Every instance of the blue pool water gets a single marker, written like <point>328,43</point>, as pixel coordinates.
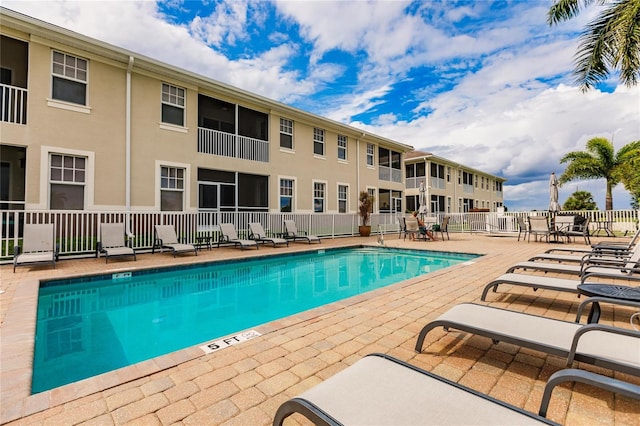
<point>92,325</point>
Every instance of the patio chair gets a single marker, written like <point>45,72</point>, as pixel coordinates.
<point>444,228</point>
<point>381,390</point>
<point>38,246</point>
<point>601,345</point>
<point>413,229</point>
<point>561,225</point>
<point>292,233</point>
<point>523,228</point>
<point>581,230</point>
<point>166,238</point>
<point>257,233</point>
<point>539,226</point>
<point>402,227</point>
<point>112,242</point>
<point>230,236</point>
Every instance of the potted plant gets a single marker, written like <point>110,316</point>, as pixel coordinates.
<point>366,207</point>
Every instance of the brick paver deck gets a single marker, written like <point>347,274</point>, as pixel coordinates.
<point>244,384</point>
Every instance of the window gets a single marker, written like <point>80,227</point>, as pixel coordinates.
<point>286,133</point>
<point>342,147</point>
<point>173,103</point>
<point>448,174</point>
<point>343,194</point>
<point>467,179</point>
<point>370,154</point>
<point>318,197</point>
<point>437,171</point>
<point>67,179</point>
<point>171,188</point>
<point>286,195</point>
<point>69,79</point>
<point>318,141</point>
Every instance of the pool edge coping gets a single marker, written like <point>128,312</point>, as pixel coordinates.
<point>27,404</point>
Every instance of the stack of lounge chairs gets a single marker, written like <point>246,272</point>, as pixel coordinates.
<point>166,238</point>
<point>379,389</point>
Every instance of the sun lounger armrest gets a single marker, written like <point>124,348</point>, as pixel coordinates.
<point>598,299</point>
<point>587,377</point>
<point>597,327</point>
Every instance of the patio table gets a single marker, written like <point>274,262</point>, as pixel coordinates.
<point>611,291</point>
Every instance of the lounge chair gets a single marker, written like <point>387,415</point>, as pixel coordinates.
<point>381,390</point>
<point>258,234</point>
<point>612,265</point>
<point>112,242</point>
<point>589,378</point>
<point>539,226</point>
<point>605,246</point>
<point>581,257</point>
<point>166,238</point>
<point>292,233</point>
<point>596,344</point>
<point>229,235</point>
<point>38,246</point>
<point>548,283</point>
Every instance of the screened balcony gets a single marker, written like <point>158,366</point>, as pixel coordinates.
<point>13,80</point>
<point>230,130</point>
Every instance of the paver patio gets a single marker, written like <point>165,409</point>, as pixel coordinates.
<point>244,384</point>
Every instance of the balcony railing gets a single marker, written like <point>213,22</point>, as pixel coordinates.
<point>13,104</point>
<point>225,144</point>
<point>467,189</point>
<point>389,174</point>
<point>437,183</point>
<point>414,182</point>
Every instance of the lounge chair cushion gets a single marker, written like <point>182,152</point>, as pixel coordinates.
<point>379,390</point>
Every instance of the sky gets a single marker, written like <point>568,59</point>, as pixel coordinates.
<point>487,84</point>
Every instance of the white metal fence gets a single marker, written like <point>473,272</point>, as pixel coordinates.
<point>77,231</point>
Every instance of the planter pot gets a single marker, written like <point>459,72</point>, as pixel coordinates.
<point>365,230</point>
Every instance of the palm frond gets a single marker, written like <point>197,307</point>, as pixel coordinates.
<point>563,10</point>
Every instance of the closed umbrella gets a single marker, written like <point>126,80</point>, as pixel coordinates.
<point>553,194</point>
<point>422,198</point>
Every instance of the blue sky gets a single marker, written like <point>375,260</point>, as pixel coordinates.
<point>484,83</point>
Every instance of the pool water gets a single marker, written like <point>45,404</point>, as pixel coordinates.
<point>88,326</point>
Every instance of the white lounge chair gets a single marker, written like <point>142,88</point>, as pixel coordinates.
<point>384,391</point>
<point>292,233</point>
<point>614,266</point>
<point>548,283</point>
<point>229,235</point>
<point>166,238</point>
<point>258,233</point>
<point>581,257</point>
<point>112,242</point>
<point>601,345</point>
<point>38,246</point>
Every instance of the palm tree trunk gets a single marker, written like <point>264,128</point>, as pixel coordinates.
<point>608,200</point>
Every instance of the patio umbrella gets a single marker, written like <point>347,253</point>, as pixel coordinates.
<point>553,193</point>
<point>422,198</point>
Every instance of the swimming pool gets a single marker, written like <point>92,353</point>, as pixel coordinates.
<point>91,325</point>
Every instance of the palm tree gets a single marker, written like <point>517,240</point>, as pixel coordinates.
<point>600,161</point>
<point>611,41</point>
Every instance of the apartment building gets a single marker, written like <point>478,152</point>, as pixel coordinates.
<point>89,126</point>
<point>450,187</point>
